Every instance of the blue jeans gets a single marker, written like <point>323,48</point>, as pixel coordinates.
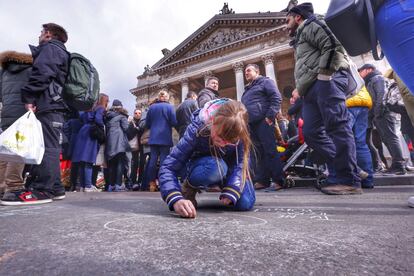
<point>394,23</point>
<point>156,152</point>
<point>85,174</point>
<point>209,171</point>
<point>358,121</point>
<point>327,131</point>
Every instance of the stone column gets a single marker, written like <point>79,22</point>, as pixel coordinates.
<point>184,88</point>
<point>238,71</point>
<point>269,67</point>
<point>206,75</point>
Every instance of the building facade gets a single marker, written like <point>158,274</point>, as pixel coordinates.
<point>223,47</point>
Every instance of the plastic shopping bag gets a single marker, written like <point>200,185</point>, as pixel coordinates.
<point>23,141</point>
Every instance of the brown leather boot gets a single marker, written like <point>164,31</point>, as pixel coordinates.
<point>153,187</point>
<point>189,192</point>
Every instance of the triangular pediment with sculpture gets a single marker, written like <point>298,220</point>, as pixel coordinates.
<point>222,37</point>
<point>222,30</point>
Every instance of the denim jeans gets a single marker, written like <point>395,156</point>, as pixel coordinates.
<point>209,171</point>
<point>394,23</point>
<point>358,121</point>
<point>156,152</point>
<point>85,174</point>
<point>116,169</point>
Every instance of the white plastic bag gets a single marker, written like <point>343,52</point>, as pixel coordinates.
<point>23,141</point>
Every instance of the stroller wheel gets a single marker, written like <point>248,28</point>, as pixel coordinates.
<point>320,181</point>
<point>289,182</point>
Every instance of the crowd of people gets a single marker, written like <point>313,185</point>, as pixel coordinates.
<point>224,145</point>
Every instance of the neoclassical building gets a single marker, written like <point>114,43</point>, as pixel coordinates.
<point>223,47</point>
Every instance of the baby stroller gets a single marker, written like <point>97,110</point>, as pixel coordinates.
<point>296,158</point>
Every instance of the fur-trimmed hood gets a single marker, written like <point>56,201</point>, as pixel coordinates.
<point>15,57</point>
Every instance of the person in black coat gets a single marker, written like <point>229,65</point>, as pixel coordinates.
<point>262,100</point>
<point>384,119</point>
<point>184,112</point>
<point>14,74</point>
<point>50,68</point>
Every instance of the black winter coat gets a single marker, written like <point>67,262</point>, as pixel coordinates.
<point>50,64</point>
<point>205,95</point>
<point>262,99</point>
<point>375,84</point>
<point>184,113</point>
<point>16,69</point>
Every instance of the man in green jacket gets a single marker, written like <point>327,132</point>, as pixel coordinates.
<point>322,76</point>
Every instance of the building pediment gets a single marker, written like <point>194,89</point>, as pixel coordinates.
<point>220,33</point>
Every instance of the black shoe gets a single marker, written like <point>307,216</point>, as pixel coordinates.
<point>58,195</point>
<point>400,171</point>
<point>23,197</point>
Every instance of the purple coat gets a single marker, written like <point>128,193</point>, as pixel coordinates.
<point>86,148</point>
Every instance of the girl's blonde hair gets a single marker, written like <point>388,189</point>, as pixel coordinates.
<point>230,123</point>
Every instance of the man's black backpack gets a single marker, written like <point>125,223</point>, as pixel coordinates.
<point>81,89</point>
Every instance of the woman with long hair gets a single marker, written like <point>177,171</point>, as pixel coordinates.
<point>214,150</point>
<point>86,148</point>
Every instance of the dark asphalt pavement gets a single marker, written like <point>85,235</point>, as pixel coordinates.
<point>291,232</point>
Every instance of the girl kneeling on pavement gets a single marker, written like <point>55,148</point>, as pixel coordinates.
<point>214,151</point>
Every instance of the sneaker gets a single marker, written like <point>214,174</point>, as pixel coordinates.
<point>341,190</point>
<point>58,195</point>
<point>120,188</point>
<point>409,168</point>
<point>274,187</point>
<point>189,192</point>
<point>411,201</point>
<point>111,188</point>
<point>136,187</point>
<point>24,198</point>
<point>91,189</point>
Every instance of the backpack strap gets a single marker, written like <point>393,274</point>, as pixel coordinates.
<point>372,33</point>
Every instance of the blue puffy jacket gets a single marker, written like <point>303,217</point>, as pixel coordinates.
<point>194,145</point>
<point>262,99</point>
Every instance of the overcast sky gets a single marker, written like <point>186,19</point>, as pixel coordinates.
<point>119,37</point>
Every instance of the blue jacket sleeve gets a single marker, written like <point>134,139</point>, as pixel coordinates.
<point>148,119</point>
<point>99,116</point>
<point>274,98</point>
<point>173,117</point>
<point>172,165</point>
<point>233,187</point>
<point>44,70</point>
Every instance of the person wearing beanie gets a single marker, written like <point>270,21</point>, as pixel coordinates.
<point>321,76</point>
<point>383,119</point>
<point>117,103</point>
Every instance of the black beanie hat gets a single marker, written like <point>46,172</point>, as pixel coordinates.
<point>304,10</point>
<point>117,103</point>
